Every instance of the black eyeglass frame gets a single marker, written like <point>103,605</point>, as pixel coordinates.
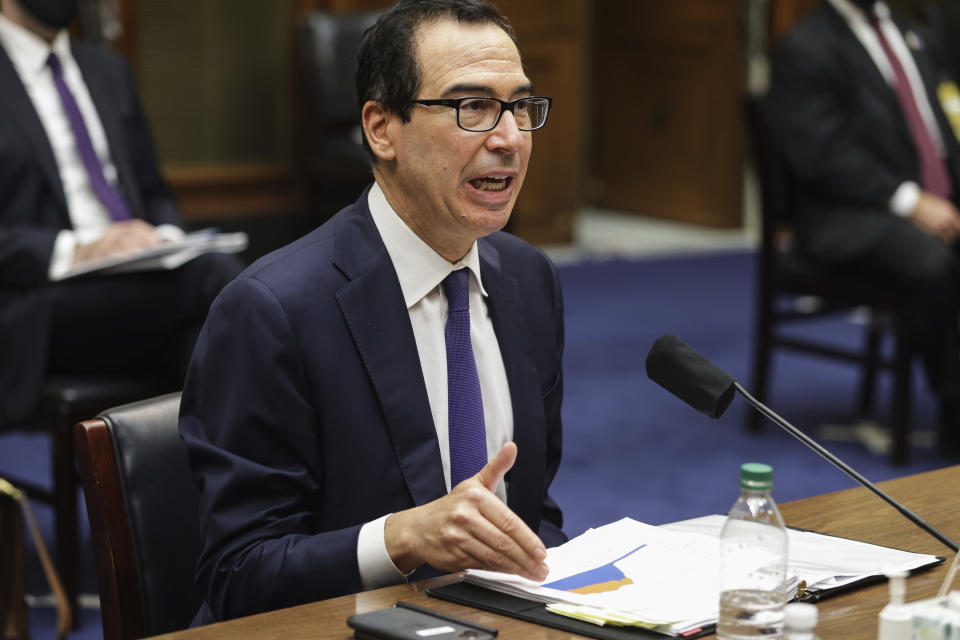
<point>505,105</point>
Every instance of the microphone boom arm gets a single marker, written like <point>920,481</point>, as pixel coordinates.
<point>805,439</point>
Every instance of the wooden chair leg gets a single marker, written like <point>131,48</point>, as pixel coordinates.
<point>869,373</point>
<point>762,343</point>
<point>900,450</point>
<point>65,511</point>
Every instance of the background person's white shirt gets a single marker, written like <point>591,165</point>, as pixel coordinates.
<point>420,270</point>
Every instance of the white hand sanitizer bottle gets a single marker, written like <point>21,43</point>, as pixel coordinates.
<point>800,621</point>
<point>895,618</point>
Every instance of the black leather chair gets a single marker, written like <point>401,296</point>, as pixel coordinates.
<point>143,508</point>
<point>328,42</point>
<point>783,277</point>
<point>65,401</point>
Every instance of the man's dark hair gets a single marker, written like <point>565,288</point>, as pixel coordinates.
<point>387,68</point>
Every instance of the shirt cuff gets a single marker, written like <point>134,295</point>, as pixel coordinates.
<point>905,199</point>
<point>62,257</point>
<point>376,568</point>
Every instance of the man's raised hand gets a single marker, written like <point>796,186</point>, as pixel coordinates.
<point>470,528</point>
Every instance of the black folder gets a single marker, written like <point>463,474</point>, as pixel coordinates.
<point>473,596</point>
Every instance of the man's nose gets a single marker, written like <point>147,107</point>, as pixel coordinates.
<point>506,136</point>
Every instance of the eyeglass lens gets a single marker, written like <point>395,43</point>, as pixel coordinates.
<point>481,113</point>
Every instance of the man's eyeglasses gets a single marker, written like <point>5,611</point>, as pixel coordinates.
<point>483,114</point>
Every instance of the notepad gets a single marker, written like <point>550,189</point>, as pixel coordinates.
<point>665,579</point>
<point>167,255</point>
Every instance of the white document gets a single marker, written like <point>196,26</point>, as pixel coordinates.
<point>167,255</point>
<point>824,562</point>
<point>667,578</point>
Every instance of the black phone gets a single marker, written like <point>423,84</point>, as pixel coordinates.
<point>407,623</point>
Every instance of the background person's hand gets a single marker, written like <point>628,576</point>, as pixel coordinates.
<point>468,528</point>
<point>937,217</point>
<point>119,239</point>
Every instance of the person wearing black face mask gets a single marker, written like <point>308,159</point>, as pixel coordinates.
<point>54,14</point>
<point>875,170</point>
<point>79,180</point>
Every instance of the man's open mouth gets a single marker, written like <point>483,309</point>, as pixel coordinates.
<point>490,183</point>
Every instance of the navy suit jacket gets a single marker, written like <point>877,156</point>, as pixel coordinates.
<point>843,134</point>
<point>306,414</point>
<point>33,209</point>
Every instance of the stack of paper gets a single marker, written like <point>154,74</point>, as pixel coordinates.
<point>666,578</point>
<point>166,255</point>
<point>626,573</point>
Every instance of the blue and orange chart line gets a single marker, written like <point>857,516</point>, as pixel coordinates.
<point>604,578</point>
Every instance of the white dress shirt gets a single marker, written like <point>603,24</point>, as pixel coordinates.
<point>420,270</point>
<point>89,218</point>
<point>907,195</point>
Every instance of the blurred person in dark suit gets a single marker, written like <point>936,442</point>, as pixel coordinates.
<point>79,181</point>
<point>380,400</point>
<point>853,108</point>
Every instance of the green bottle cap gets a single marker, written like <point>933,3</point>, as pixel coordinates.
<point>756,476</point>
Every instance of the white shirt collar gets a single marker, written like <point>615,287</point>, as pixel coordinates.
<point>419,268</point>
<point>27,50</point>
<point>854,14</point>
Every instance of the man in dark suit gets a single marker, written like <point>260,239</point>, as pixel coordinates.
<point>324,408</point>
<point>875,168</point>
<point>79,181</point>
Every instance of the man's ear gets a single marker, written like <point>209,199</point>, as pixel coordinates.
<point>376,122</point>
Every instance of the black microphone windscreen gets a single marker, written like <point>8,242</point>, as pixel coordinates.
<point>689,376</point>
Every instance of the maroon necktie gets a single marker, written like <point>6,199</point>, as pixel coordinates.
<point>933,169</point>
<point>109,196</point>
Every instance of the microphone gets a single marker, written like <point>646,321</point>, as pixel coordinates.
<point>709,389</point>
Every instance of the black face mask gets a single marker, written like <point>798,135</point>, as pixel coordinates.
<point>866,5</point>
<point>55,14</point>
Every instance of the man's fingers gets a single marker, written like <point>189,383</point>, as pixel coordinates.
<point>501,529</point>
<point>509,525</point>
<point>470,527</point>
<point>490,475</point>
<point>507,557</point>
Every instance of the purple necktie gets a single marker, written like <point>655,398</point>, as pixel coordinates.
<point>114,204</point>
<point>468,437</point>
<point>933,170</point>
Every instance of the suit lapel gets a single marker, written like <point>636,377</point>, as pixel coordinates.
<point>931,82</point>
<point>21,111</point>
<point>866,73</point>
<point>867,77</point>
<point>373,307</point>
<point>105,101</point>
<point>524,495</point>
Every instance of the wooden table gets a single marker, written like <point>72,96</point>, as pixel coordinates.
<point>853,513</point>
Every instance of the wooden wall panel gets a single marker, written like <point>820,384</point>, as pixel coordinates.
<point>668,81</point>
<point>552,36</point>
<point>222,179</point>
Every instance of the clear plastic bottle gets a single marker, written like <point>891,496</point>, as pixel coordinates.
<point>753,561</point>
<point>800,621</point>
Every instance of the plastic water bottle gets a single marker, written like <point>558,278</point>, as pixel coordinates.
<point>753,561</point>
<point>800,621</point>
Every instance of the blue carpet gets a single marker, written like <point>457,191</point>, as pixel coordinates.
<point>631,448</point>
